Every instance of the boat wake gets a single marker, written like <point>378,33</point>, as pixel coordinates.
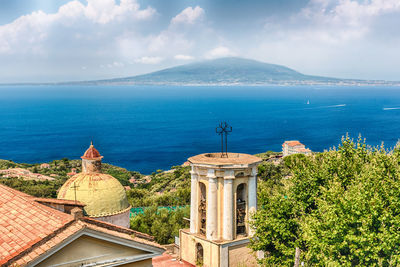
<point>391,108</point>
<point>332,106</point>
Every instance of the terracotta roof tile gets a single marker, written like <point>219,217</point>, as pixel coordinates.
<point>58,201</point>
<point>28,229</point>
<point>91,153</point>
<point>293,143</point>
<point>25,222</point>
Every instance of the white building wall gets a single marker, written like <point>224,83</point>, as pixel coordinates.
<point>121,219</point>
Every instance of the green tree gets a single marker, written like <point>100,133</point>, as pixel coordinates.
<point>340,207</point>
<point>161,223</point>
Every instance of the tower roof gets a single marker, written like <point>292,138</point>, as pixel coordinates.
<point>92,153</point>
<point>233,159</point>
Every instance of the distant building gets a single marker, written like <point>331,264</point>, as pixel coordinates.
<point>44,232</point>
<point>72,173</point>
<point>24,174</point>
<point>294,147</point>
<point>185,164</point>
<point>45,166</point>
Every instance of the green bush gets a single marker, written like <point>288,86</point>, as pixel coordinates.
<point>340,207</point>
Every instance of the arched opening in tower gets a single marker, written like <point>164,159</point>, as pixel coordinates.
<point>199,255</point>
<point>241,209</point>
<point>203,208</point>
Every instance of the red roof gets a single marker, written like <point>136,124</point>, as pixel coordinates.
<point>24,222</point>
<point>28,229</point>
<point>58,201</point>
<point>293,143</point>
<point>91,153</point>
<point>168,260</point>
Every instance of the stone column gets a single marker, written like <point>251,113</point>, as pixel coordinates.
<point>194,206</point>
<point>227,232</point>
<point>252,195</point>
<point>212,206</point>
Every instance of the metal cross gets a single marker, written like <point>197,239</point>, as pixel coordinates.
<point>224,129</point>
<point>75,187</point>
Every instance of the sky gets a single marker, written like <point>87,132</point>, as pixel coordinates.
<point>64,40</point>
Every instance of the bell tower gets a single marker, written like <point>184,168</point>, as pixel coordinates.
<point>223,197</point>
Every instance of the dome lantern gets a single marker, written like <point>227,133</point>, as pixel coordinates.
<point>91,160</point>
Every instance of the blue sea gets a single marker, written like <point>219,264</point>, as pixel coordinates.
<point>145,128</point>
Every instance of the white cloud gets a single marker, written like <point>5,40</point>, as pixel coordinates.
<point>104,11</point>
<point>183,57</point>
<point>103,36</point>
<point>29,32</point>
<point>334,21</point>
<point>188,16</point>
<point>343,38</point>
<point>116,64</point>
<point>220,51</point>
<point>149,60</point>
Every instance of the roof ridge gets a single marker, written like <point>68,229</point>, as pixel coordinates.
<point>22,253</point>
<point>118,228</point>
<point>58,200</point>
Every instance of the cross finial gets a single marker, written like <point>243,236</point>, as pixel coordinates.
<point>75,187</point>
<point>224,129</point>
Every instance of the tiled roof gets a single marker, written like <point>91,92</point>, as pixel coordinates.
<point>24,222</point>
<point>120,231</point>
<point>28,229</point>
<point>91,153</point>
<point>293,143</point>
<point>58,201</point>
<point>167,260</point>
<point>49,243</point>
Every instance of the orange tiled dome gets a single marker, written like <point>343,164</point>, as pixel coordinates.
<point>91,153</point>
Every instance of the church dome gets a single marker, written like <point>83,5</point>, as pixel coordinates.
<point>102,194</point>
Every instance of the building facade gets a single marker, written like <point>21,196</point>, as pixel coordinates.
<point>294,147</point>
<point>223,197</point>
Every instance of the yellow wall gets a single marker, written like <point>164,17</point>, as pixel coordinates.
<point>188,250</point>
<point>86,247</point>
<point>240,256</point>
<point>213,253</point>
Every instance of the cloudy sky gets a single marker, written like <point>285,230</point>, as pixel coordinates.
<point>63,40</point>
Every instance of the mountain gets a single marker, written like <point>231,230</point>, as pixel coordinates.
<point>231,71</point>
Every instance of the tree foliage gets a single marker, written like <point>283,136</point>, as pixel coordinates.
<point>170,188</point>
<point>163,224</point>
<point>340,207</point>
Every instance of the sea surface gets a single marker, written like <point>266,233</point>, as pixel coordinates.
<point>148,128</point>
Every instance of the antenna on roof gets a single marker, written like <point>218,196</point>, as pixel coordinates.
<point>223,130</point>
